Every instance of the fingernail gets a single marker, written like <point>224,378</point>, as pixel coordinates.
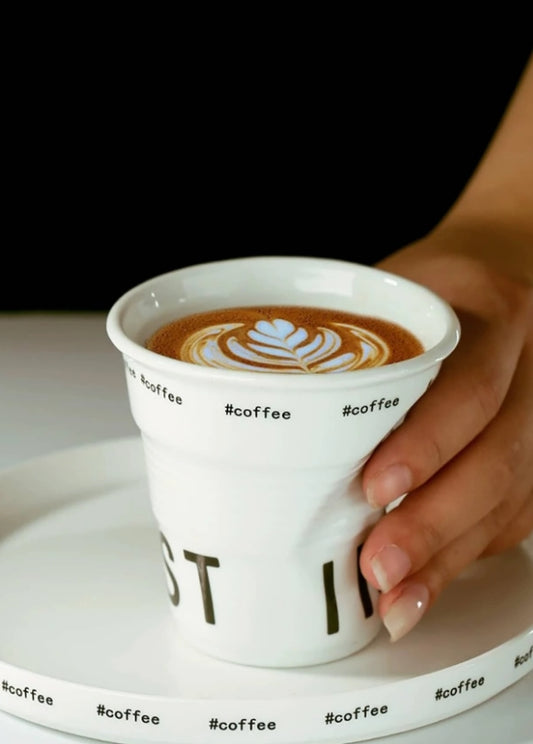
<point>406,611</point>
<point>390,565</point>
<point>388,485</point>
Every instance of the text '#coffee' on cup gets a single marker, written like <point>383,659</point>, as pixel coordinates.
<point>284,338</point>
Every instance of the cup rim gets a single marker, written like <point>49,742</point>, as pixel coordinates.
<point>136,351</point>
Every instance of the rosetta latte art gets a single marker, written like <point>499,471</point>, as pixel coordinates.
<point>291,339</point>
<point>278,345</point>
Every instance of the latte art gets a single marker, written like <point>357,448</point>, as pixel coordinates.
<point>280,346</point>
<point>288,339</point>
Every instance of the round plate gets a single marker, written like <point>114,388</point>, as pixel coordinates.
<point>88,645</point>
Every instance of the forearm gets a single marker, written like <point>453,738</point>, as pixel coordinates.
<point>493,216</point>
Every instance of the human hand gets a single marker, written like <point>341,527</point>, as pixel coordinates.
<point>464,454</point>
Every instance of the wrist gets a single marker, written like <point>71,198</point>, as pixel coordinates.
<point>478,268</point>
<point>506,248</point>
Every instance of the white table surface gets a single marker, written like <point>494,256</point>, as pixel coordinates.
<point>62,384</point>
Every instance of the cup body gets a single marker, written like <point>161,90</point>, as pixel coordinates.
<point>254,478</point>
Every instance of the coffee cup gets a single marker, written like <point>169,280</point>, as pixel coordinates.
<point>254,468</point>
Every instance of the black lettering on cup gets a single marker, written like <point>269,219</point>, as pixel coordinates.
<point>332,610</point>
<point>366,599</point>
<point>175,593</point>
<point>202,562</point>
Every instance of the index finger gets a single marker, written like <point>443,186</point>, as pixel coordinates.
<point>463,399</point>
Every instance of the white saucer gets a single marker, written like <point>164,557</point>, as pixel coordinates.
<point>85,625</point>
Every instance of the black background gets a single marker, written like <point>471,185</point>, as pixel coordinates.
<point>121,174</point>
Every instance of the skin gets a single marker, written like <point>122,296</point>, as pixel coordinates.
<point>464,454</point>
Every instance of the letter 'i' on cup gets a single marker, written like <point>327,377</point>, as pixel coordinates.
<point>254,477</point>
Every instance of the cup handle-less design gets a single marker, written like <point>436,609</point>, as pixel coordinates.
<point>254,477</point>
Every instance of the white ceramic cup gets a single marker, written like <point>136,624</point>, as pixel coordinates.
<point>254,478</point>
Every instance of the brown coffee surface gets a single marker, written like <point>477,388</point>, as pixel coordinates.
<point>284,338</point>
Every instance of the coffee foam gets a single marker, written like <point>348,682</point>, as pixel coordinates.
<point>286,339</point>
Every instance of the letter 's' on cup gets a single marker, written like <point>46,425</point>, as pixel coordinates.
<point>254,478</point>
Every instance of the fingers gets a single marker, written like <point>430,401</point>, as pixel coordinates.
<point>463,400</point>
<point>457,499</point>
<point>403,607</point>
<point>496,315</point>
<point>496,463</point>
<point>460,513</point>
<point>517,530</point>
